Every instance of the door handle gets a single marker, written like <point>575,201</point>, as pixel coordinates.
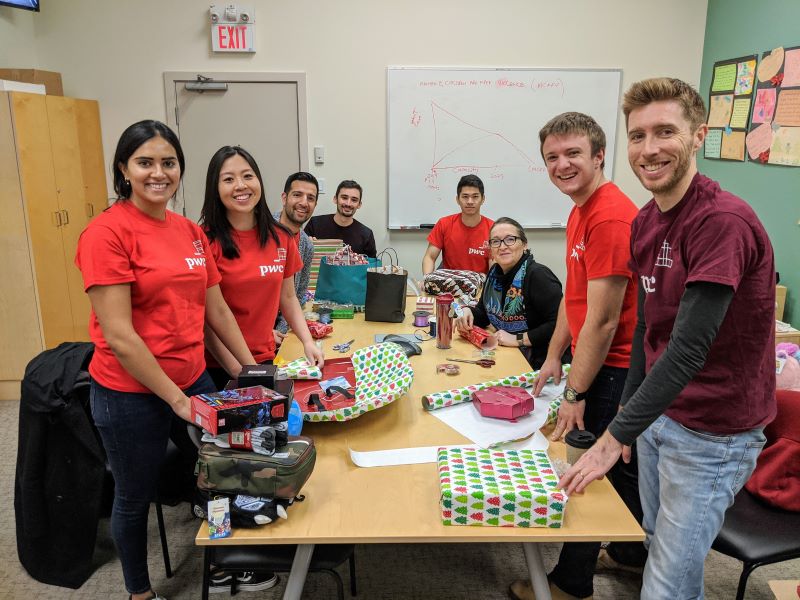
<point>89,209</point>
<point>64,217</point>
<point>56,216</point>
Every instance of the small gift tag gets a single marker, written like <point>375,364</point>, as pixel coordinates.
<point>780,362</point>
<point>219,518</point>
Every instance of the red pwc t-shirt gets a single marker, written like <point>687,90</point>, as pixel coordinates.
<point>598,245</point>
<point>712,236</point>
<point>251,285</point>
<point>464,248</point>
<point>169,267</point>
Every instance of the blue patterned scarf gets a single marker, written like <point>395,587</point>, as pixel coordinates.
<point>506,313</point>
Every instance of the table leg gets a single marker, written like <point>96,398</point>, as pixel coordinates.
<point>533,556</point>
<point>297,576</point>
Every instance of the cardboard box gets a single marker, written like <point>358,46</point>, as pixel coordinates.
<point>50,79</point>
<point>511,488</point>
<point>239,409</point>
<point>780,301</point>
<point>503,402</point>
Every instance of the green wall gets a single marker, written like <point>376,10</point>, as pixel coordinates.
<point>737,28</point>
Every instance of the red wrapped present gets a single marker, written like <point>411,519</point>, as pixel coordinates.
<point>319,330</point>
<point>480,338</point>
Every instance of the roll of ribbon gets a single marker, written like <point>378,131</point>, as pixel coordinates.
<point>421,318</point>
<point>325,315</point>
<point>448,368</point>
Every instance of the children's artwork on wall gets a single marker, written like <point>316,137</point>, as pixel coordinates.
<point>729,103</point>
<point>774,135</point>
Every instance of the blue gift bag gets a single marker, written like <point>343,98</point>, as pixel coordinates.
<point>343,284</point>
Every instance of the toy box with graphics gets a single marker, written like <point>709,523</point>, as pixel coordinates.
<point>238,409</point>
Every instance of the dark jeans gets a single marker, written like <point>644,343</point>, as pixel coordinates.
<point>135,429</point>
<point>574,572</point>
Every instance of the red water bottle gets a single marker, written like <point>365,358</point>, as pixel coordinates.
<point>444,323</point>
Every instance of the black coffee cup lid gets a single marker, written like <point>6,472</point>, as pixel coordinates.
<point>580,438</point>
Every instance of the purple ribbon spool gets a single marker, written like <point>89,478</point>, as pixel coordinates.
<point>421,318</point>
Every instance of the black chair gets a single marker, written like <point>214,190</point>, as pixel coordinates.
<point>278,558</point>
<point>757,534</point>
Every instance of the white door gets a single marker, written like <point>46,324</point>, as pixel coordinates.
<point>263,113</point>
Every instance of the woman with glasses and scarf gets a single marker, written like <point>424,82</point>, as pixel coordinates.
<point>520,298</point>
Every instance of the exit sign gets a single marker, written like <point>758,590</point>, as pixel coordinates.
<point>233,37</point>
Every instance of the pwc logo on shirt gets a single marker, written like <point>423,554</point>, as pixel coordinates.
<point>577,250</point>
<point>479,251</point>
<point>199,259</point>
<point>264,270</point>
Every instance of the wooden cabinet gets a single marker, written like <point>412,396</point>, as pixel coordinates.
<point>52,181</point>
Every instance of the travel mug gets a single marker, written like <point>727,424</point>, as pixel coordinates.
<point>444,322</point>
<point>578,441</point>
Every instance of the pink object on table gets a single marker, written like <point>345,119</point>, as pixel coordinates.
<point>503,402</point>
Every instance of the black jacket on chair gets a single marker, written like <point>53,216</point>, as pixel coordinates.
<point>60,468</point>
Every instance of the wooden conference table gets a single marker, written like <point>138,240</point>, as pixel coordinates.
<point>400,504</point>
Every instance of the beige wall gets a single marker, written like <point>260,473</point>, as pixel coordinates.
<point>117,51</point>
<point>17,46</point>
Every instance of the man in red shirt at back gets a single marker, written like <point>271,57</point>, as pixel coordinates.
<point>463,238</point>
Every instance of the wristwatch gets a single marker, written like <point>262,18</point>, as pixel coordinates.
<point>572,396</point>
<point>520,339</point>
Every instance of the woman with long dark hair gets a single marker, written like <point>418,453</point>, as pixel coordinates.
<point>257,259</point>
<point>153,285</point>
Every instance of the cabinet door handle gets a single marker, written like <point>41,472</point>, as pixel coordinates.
<point>89,209</point>
<point>64,217</point>
<point>56,219</point>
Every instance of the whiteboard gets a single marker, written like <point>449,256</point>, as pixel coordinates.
<point>444,123</point>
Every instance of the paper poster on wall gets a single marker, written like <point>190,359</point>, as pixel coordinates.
<point>785,149</point>
<point>732,147</point>
<point>774,135</point>
<point>764,108</point>
<point>713,143</point>
<point>729,102</point>
<point>759,140</point>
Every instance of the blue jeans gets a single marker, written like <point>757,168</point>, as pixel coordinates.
<point>687,481</point>
<point>574,572</point>
<point>135,429</point>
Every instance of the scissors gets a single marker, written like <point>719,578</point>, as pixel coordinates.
<point>483,362</point>
<point>343,347</point>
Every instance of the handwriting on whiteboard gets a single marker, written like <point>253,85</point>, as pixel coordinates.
<point>535,85</point>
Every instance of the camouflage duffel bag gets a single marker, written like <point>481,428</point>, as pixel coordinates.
<point>243,472</point>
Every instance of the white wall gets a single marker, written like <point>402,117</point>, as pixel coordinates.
<point>17,46</point>
<point>116,52</point>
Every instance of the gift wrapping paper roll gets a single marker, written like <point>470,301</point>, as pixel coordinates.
<point>464,394</point>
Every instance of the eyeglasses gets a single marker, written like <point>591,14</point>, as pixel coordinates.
<point>509,241</point>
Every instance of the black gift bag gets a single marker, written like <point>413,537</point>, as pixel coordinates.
<point>386,290</point>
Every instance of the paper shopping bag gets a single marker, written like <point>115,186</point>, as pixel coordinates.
<point>386,293</point>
